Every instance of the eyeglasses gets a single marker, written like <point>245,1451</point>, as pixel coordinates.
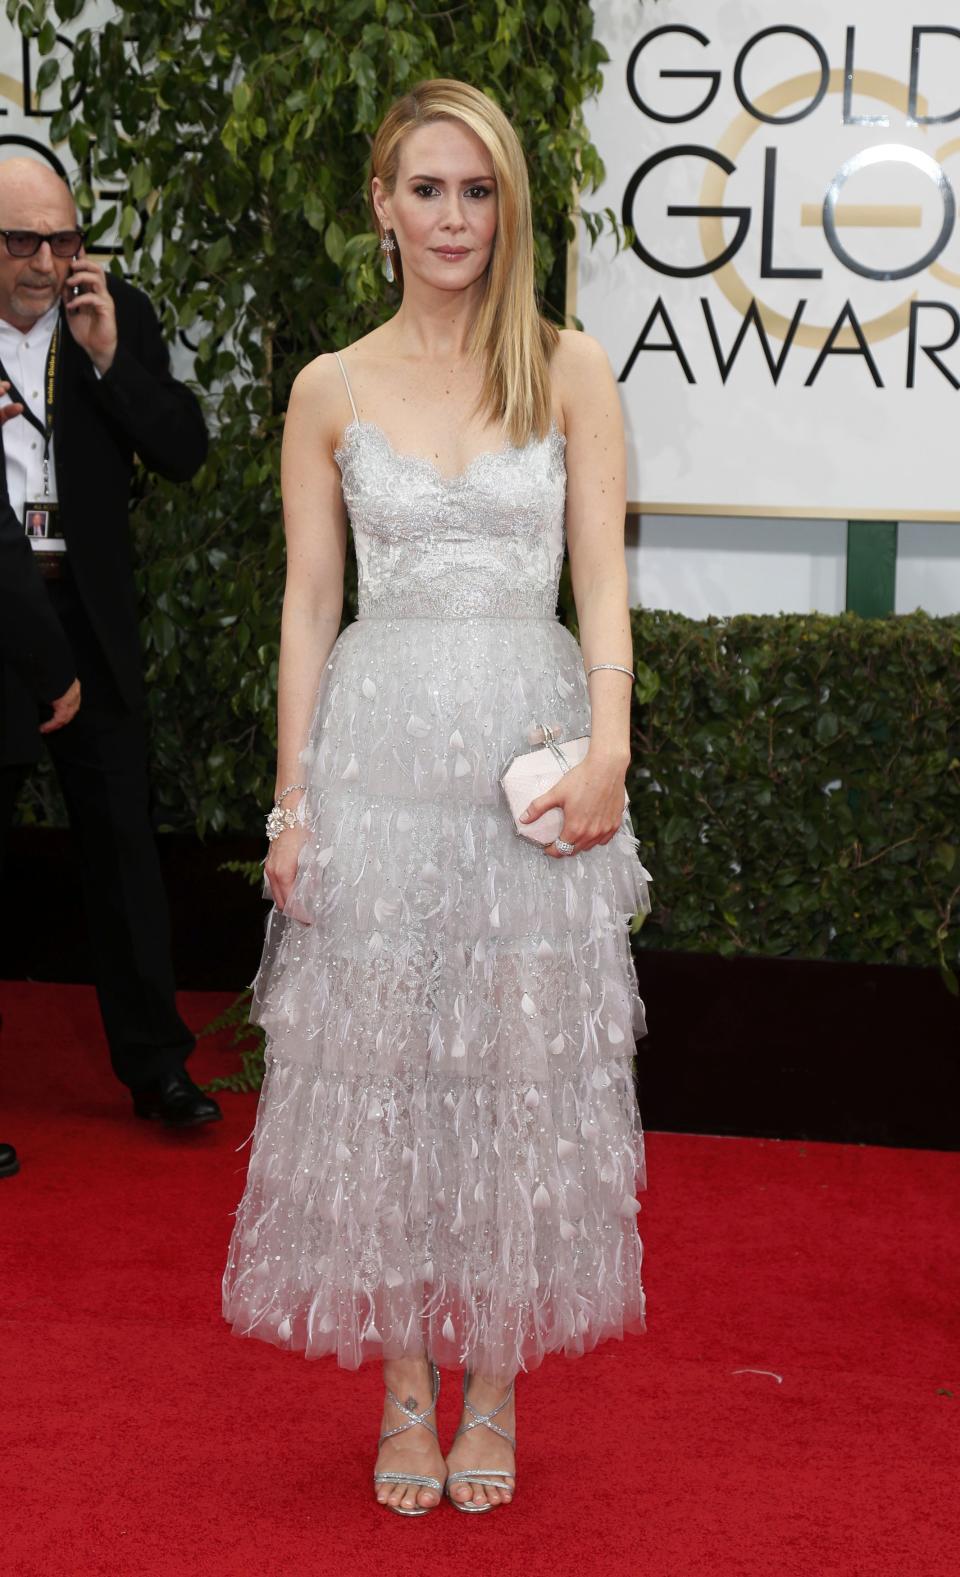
<point>27,243</point>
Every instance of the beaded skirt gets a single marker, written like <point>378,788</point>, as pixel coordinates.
<point>448,1149</point>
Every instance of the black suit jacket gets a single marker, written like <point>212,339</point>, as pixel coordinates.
<point>136,409</point>
<point>32,641</point>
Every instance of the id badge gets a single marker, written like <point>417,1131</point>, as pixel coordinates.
<point>41,523</point>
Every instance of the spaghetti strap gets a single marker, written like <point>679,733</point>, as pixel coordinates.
<point>356,413</point>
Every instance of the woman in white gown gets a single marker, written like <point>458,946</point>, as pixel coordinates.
<point>448,1147</point>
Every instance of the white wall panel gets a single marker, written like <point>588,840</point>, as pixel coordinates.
<point>928,567</point>
<point>699,566</point>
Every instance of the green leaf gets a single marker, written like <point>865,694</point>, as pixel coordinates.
<point>217,254</point>
<point>101,225</point>
<point>48,73</point>
<point>79,140</point>
<point>647,683</point>
<point>314,212</point>
<point>334,241</point>
<point>139,182</point>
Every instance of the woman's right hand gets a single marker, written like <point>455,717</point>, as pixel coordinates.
<point>280,868</point>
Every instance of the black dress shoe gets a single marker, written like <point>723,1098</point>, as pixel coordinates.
<point>8,1160</point>
<point>175,1100</point>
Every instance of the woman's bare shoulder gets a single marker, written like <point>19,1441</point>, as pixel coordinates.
<point>321,386</point>
<point>318,379</point>
<point>319,402</point>
<point>581,375</point>
<point>578,353</point>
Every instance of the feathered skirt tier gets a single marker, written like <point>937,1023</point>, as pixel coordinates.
<point>447,1149</point>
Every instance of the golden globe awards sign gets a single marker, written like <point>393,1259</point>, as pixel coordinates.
<point>785,318</point>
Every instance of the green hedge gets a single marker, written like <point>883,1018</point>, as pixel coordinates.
<point>796,785</point>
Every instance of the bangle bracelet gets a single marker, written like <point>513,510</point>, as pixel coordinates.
<point>289,790</point>
<point>618,668</point>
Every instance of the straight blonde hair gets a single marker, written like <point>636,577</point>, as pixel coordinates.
<point>510,338</point>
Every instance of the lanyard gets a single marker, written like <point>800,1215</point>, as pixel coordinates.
<point>44,428</point>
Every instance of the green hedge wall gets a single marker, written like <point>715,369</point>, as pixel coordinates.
<point>796,785</point>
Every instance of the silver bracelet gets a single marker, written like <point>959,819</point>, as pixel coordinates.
<point>279,820</point>
<point>618,667</point>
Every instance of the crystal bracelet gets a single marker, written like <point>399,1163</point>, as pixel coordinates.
<point>618,668</point>
<point>279,820</point>
<point>288,790</point>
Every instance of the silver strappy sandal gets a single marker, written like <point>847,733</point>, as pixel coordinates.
<point>499,1478</point>
<point>420,1479</point>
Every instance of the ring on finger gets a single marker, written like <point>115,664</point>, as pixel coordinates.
<point>562,847</point>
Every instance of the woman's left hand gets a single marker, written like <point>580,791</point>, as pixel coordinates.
<point>591,797</point>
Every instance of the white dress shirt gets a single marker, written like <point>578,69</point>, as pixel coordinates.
<point>25,358</point>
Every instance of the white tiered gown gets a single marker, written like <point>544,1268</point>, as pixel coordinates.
<point>448,1148</point>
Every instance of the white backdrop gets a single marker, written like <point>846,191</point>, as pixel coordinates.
<point>820,440</point>
<point>749,447</point>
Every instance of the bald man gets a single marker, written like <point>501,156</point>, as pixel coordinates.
<point>82,355</point>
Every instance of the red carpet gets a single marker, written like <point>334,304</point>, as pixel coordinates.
<point>139,1437</point>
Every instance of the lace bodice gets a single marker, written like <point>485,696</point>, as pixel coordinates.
<point>488,542</point>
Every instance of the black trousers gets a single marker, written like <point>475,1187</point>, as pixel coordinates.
<point>101,761</point>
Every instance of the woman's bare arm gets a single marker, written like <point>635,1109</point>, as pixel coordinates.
<point>596,510</point>
<point>592,794</point>
<point>315,525</point>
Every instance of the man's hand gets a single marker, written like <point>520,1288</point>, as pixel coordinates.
<point>92,316</point>
<point>9,411</point>
<point>63,709</point>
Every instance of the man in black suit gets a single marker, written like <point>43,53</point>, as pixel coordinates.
<point>103,395</point>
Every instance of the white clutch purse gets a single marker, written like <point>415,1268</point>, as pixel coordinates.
<point>532,772</point>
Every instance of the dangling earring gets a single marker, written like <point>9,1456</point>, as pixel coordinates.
<point>388,245</point>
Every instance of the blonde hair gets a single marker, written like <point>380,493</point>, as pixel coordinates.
<point>510,337</point>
